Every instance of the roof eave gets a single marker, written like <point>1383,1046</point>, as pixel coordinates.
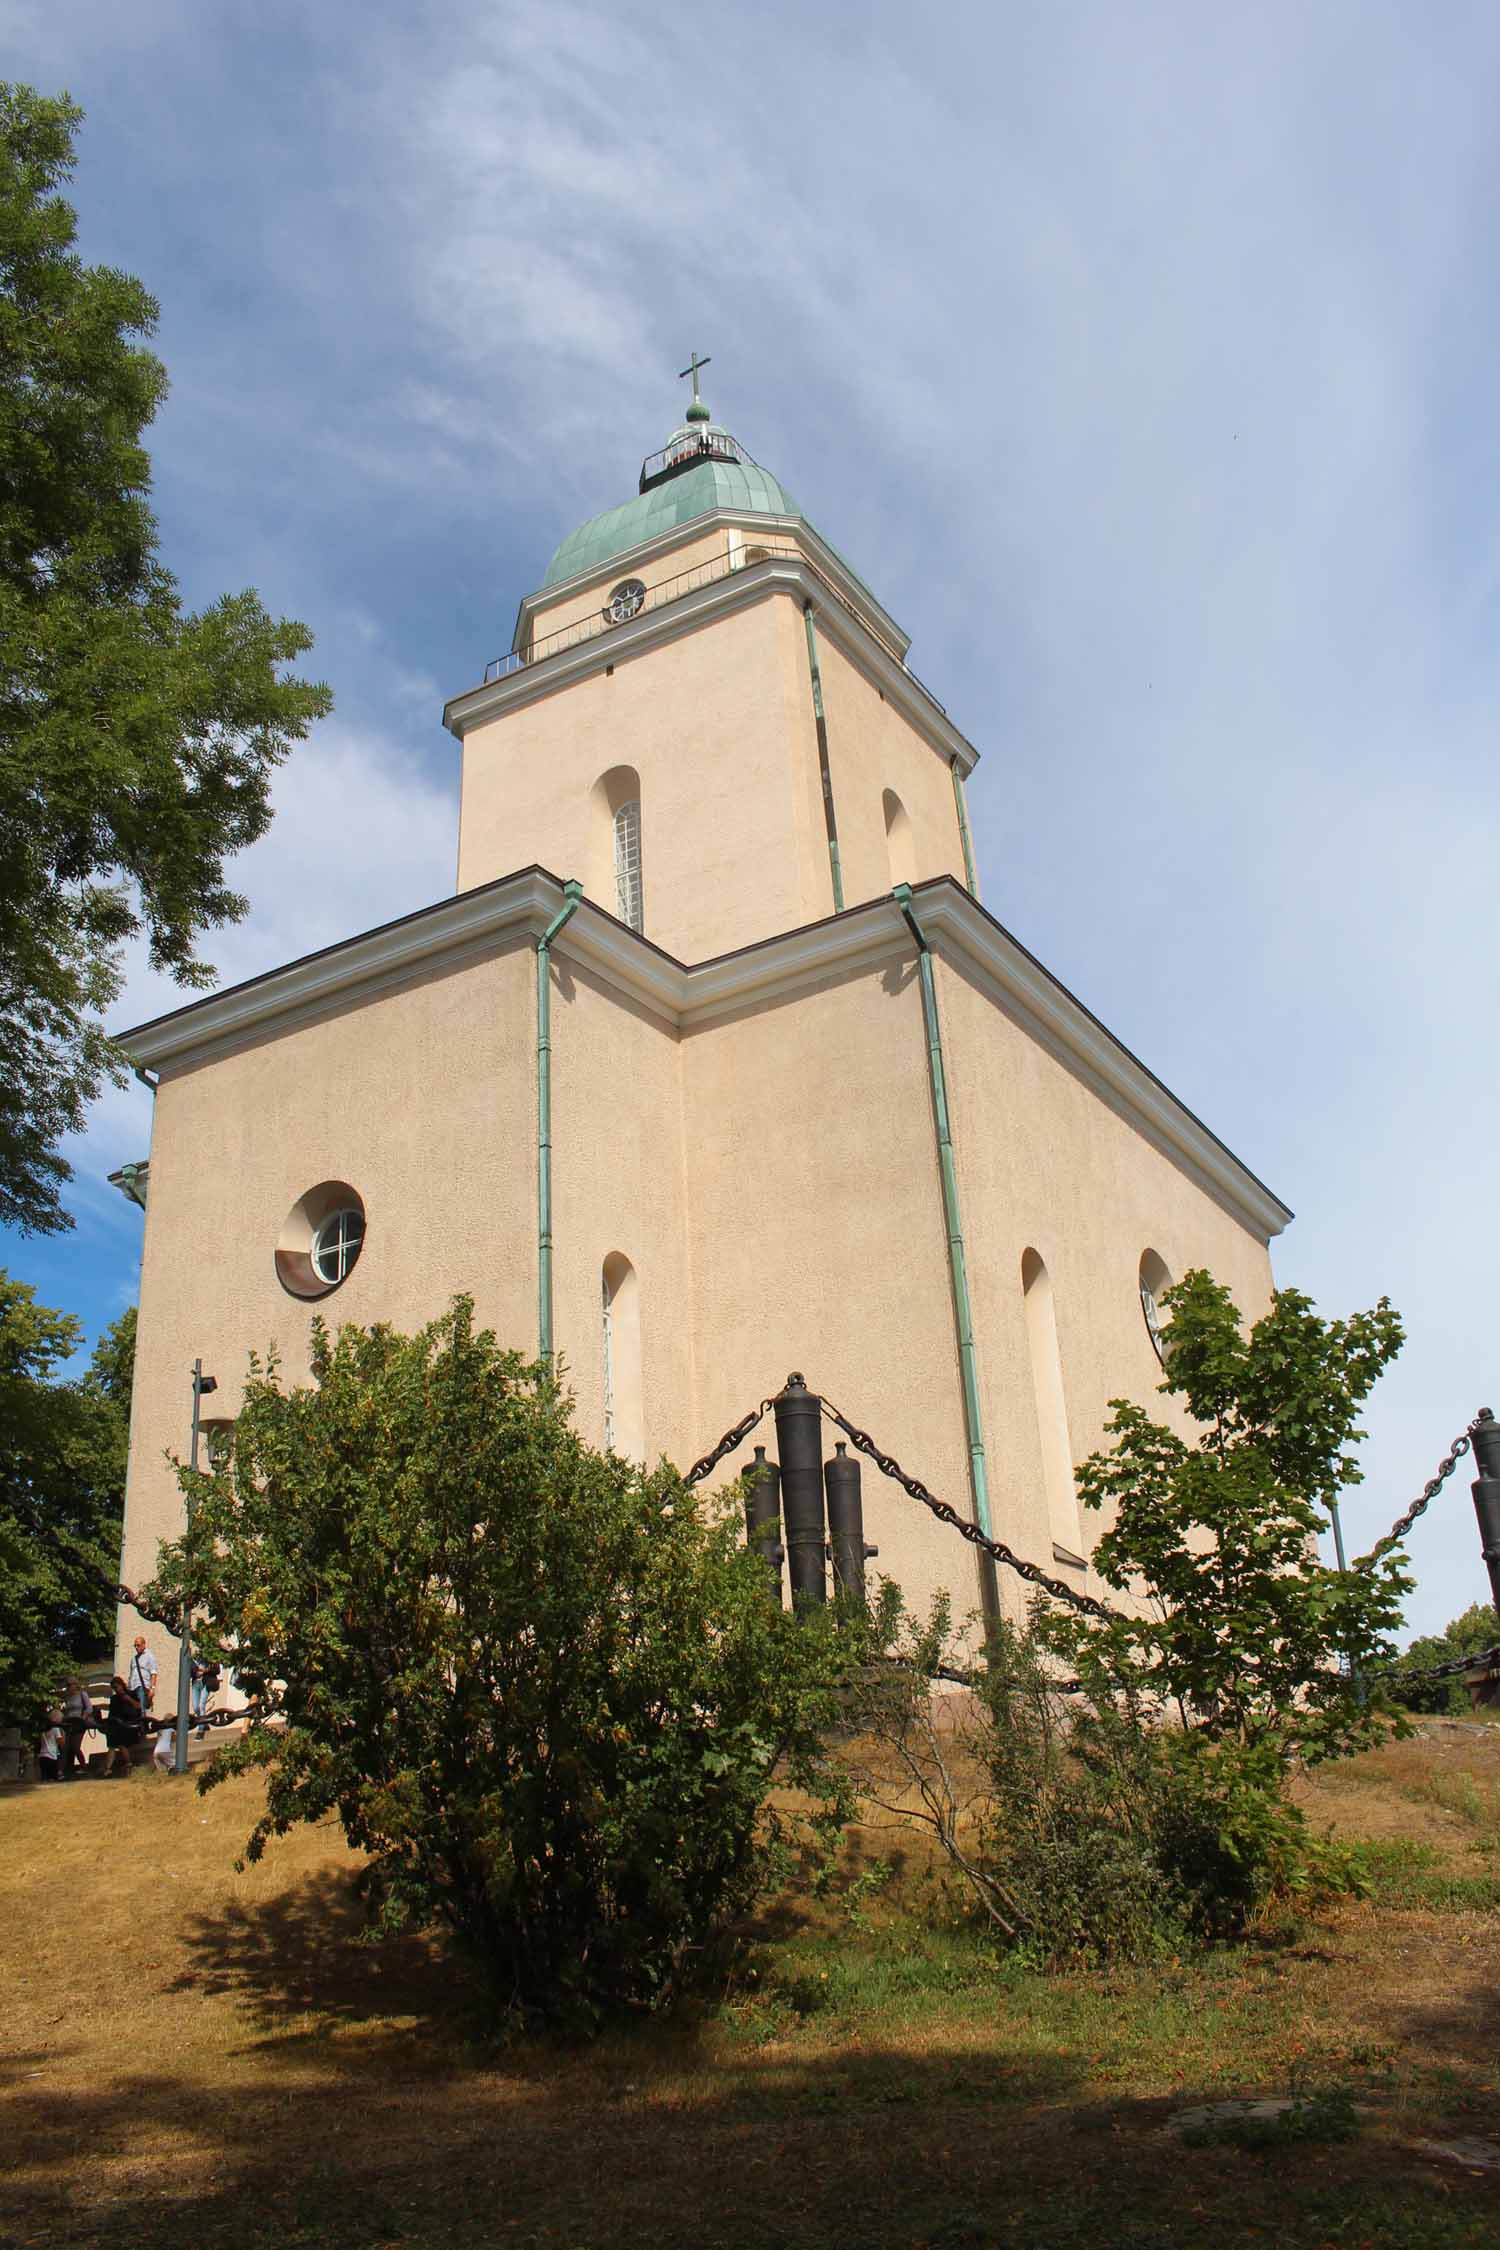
<point>518,907</point>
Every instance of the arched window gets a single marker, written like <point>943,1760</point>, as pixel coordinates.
<point>1051,1407</point>
<point>900,851</point>
<point>1154,1279</point>
<point>628,862</point>
<point>624,1409</point>
<point>614,876</point>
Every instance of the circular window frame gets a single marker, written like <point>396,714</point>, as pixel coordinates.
<point>297,1245</point>
<point>626,600</point>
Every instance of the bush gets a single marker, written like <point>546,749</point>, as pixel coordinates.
<point>540,1686</point>
<point>1084,1829</point>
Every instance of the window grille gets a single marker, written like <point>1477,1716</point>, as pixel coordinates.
<point>628,863</point>
<point>337,1244</point>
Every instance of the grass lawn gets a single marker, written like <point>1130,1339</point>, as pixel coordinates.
<point>196,2056</point>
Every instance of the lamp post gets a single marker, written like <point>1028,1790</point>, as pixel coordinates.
<point>202,1385</point>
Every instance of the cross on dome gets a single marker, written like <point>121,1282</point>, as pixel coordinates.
<point>697,412</point>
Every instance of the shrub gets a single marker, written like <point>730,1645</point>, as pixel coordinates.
<point>540,1686</point>
<point>1085,1829</point>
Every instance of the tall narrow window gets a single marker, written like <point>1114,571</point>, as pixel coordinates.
<point>628,862</point>
<point>1051,1409</point>
<point>899,849</point>
<point>612,868</point>
<point>1154,1279</point>
<point>624,1407</point>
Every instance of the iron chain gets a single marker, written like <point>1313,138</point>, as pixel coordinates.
<point>730,1442</point>
<point>1429,1492</point>
<point>1031,1572</point>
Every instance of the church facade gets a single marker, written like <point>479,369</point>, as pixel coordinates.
<point>714,1066</point>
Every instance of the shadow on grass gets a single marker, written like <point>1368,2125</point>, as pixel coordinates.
<point>365,2111</point>
<point>302,1960</point>
<point>390,2156</point>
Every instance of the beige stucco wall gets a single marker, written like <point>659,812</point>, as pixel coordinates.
<point>818,1243</point>
<point>617,1186</point>
<point>718,724</point>
<point>424,1100</point>
<point>1045,1163</point>
<point>872,747</point>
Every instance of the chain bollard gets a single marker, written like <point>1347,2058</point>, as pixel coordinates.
<point>799,1441</point>
<point>846,1526</point>
<point>1485,1433</point>
<point>763,1518</point>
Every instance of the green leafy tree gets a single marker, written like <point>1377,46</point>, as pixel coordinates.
<point>1244,1631</point>
<point>136,740</point>
<point>540,1686</point>
<point>1477,1630</point>
<point>62,1493</point>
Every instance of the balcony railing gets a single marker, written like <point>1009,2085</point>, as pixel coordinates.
<point>613,614</point>
<point>698,445</point>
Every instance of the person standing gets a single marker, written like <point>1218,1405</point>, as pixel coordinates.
<point>206,1682</point>
<point>122,1726</point>
<point>141,1677</point>
<point>77,1721</point>
<point>50,1749</point>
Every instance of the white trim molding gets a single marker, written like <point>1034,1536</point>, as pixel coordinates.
<point>517,908</point>
<point>737,589</point>
<point>647,551</point>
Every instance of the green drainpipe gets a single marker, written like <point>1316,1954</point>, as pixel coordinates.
<point>829,822</point>
<point>572,899</point>
<point>963,828</point>
<point>963,1318</point>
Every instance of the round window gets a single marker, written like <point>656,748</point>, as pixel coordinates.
<point>625,601</point>
<point>321,1240</point>
<point>336,1245</point>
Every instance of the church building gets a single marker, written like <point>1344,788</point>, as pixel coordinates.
<point>712,1067</point>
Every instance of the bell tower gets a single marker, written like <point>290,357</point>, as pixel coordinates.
<point>707,716</point>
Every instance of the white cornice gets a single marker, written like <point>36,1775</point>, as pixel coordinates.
<point>518,908</point>
<point>654,628</point>
<point>957,926</point>
<point>630,559</point>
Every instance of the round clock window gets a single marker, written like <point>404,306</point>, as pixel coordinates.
<point>625,601</point>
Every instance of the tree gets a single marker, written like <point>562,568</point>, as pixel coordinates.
<point>62,1495</point>
<point>1471,1634</point>
<point>541,1687</point>
<point>136,740</point>
<point>1246,1633</point>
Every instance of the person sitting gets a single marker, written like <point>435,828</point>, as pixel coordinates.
<point>123,1726</point>
<point>77,1721</point>
<point>50,1749</point>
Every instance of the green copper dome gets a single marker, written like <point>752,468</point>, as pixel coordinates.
<point>724,477</point>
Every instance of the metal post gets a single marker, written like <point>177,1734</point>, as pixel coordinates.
<point>1485,1432</point>
<point>572,900</point>
<point>958,1273</point>
<point>799,1441</point>
<point>202,1385</point>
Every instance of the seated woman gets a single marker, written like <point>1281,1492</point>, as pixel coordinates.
<point>123,1726</point>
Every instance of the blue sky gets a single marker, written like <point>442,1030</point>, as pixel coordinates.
<point>1141,356</point>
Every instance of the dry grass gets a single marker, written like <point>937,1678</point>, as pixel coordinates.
<point>210,2057</point>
